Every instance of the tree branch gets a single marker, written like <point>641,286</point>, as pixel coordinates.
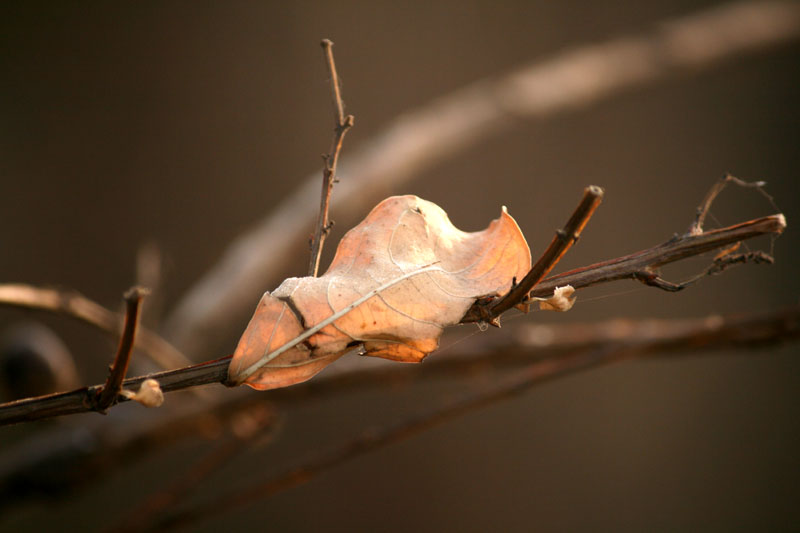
<point>640,265</point>
<point>343,124</point>
<point>643,265</point>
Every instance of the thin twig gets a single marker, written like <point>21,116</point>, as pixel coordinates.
<point>702,210</point>
<point>343,124</point>
<point>643,266</point>
<point>113,385</point>
<point>489,311</point>
<point>74,305</point>
<point>640,265</point>
<point>704,335</point>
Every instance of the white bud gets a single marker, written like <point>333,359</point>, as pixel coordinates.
<point>149,394</point>
<point>561,300</point>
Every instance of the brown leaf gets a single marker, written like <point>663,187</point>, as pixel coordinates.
<point>397,280</point>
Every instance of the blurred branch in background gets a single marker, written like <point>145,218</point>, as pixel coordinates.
<point>456,122</point>
<point>606,346</point>
<point>74,305</point>
<point>253,425</point>
<point>46,465</point>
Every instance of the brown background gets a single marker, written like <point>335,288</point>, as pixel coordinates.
<point>184,123</point>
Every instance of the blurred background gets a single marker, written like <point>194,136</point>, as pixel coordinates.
<point>180,125</point>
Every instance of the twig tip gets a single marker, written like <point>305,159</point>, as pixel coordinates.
<point>136,292</point>
<point>595,190</point>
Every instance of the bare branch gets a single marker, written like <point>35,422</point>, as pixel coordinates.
<point>643,265</point>
<point>417,140</point>
<point>343,124</point>
<point>80,400</point>
<point>640,265</point>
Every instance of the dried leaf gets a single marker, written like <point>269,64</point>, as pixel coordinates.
<point>397,280</point>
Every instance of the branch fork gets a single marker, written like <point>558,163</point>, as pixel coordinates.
<point>488,310</point>
<point>642,266</point>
